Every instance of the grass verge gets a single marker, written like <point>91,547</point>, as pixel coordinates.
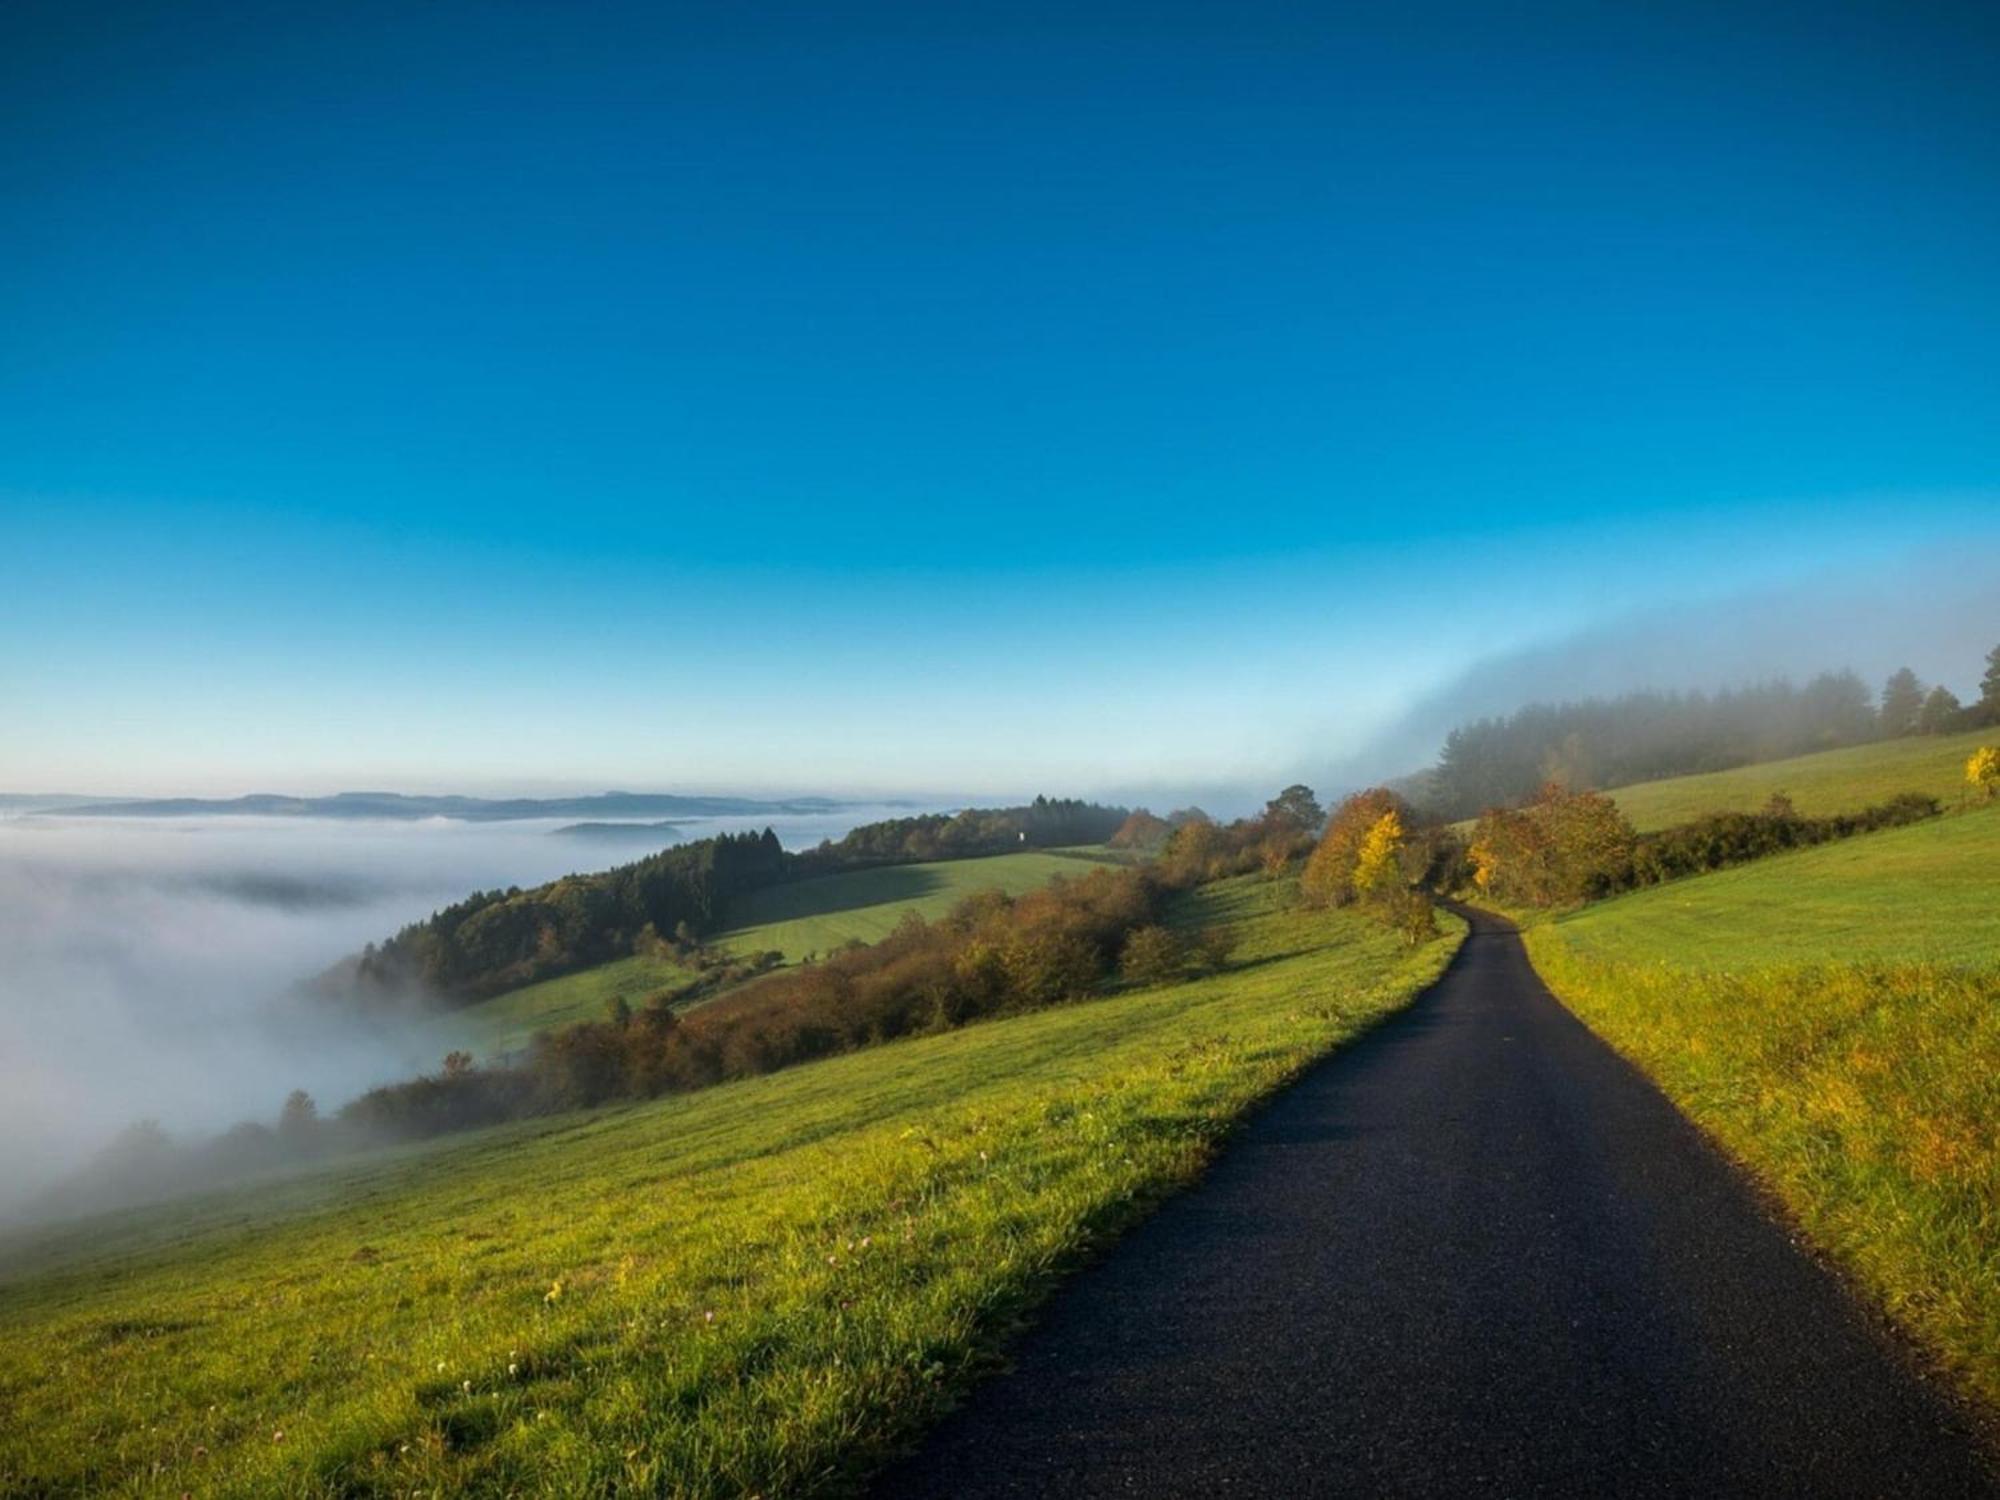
<point>1864,1087</point>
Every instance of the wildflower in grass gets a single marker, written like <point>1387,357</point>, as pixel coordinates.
<point>466,1386</point>
<point>555,1291</point>
<point>513,1369</point>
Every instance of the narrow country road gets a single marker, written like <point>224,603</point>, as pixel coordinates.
<point>1474,1254</point>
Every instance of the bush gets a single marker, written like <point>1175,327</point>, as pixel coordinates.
<point>1576,846</point>
<point>1214,946</point>
<point>1412,913</point>
<point>1152,955</point>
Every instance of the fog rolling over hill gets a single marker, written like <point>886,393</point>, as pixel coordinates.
<point>148,964</point>
<point>1927,608</point>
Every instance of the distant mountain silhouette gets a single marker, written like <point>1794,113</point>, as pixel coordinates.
<point>606,805</point>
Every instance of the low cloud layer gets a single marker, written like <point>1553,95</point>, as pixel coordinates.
<point>147,967</point>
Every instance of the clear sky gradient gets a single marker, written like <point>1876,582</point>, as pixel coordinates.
<point>850,397</point>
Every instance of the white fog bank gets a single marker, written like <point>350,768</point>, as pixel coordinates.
<point>146,964</point>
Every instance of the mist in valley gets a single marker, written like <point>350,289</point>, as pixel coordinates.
<point>151,968</point>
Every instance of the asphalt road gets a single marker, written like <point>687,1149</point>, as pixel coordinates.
<point>1473,1254</point>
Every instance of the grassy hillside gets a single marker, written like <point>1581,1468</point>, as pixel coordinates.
<point>818,916</point>
<point>753,1289</point>
<point>1833,1018</point>
<point>806,916</point>
<point>1930,892</point>
<point>509,1021</point>
<point>1833,781</point>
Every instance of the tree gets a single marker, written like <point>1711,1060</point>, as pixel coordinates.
<point>1510,858</point>
<point>1592,840</point>
<point>1142,830</point>
<point>1329,873</point>
<point>1836,710</point>
<point>1902,702</point>
<point>298,1121</point>
<point>1989,687</point>
<point>1563,846</point>
<point>1940,712</point>
<point>1378,870</point>
<point>1411,912</point>
<point>1152,955</point>
<point>1213,945</point>
<point>1983,770</point>
<point>1190,848</point>
<point>1295,808</point>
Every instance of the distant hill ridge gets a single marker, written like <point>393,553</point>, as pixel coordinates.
<point>1651,736</point>
<point>398,805</point>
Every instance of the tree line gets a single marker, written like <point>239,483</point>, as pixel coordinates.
<point>498,940</point>
<point>993,954</point>
<point>1643,736</point>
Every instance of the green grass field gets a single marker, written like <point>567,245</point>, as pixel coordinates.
<point>809,916</point>
<point>1832,781</point>
<point>510,1021</point>
<point>818,916</point>
<point>1833,1018</point>
<point>759,1289</point>
<point>1929,892</point>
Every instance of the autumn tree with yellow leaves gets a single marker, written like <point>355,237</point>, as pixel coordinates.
<point>1330,872</point>
<point>1983,769</point>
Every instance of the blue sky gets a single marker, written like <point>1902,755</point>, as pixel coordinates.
<point>940,398</point>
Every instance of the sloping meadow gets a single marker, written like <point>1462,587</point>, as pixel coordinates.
<point>762,1288</point>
